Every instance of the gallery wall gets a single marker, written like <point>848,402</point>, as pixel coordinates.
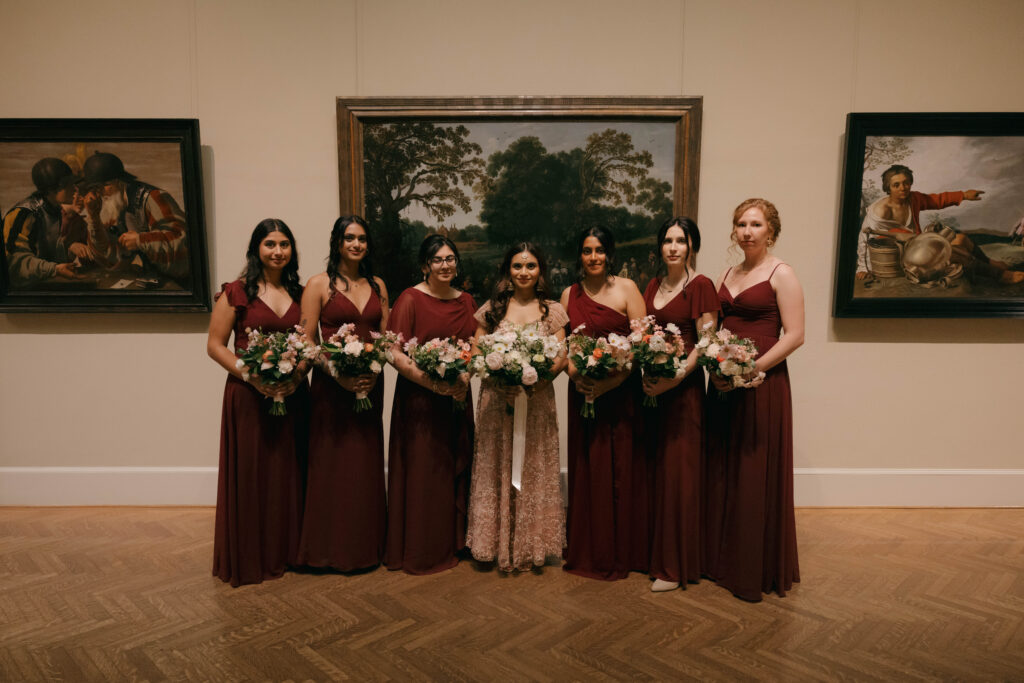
<point>126,408</point>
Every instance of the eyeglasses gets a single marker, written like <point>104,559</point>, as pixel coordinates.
<point>447,260</point>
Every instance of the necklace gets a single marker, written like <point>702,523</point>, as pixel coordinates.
<point>682,283</point>
<point>589,291</point>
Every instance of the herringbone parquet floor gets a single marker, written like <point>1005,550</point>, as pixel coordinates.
<point>110,594</point>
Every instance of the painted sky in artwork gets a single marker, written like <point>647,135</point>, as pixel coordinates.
<point>949,163</point>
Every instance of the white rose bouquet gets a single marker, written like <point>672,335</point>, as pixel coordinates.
<point>516,355</point>
<point>273,359</point>
<point>346,355</point>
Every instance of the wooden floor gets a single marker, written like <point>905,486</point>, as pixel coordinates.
<point>110,594</point>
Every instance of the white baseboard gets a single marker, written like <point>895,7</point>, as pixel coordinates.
<point>814,487</point>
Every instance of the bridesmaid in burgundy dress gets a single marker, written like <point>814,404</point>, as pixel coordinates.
<point>676,425</point>
<point>346,515</point>
<point>750,527</point>
<point>431,446</point>
<point>608,530</point>
<point>259,485</point>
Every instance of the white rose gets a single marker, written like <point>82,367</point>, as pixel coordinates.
<point>712,350</point>
<point>375,367</point>
<point>494,360</point>
<point>285,366</point>
<point>239,363</point>
<point>354,348</point>
<point>728,367</point>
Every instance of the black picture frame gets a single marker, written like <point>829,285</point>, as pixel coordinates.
<point>164,153</point>
<point>984,149</point>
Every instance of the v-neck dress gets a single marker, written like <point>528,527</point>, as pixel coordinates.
<point>346,514</point>
<point>750,525</point>
<point>259,483</point>
<point>675,436</point>
<point>608,520</point>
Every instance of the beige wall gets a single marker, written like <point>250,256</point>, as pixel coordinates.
<point>777,79</point>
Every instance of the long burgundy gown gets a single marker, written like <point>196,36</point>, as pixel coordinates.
<point>259,484</point>
<point>431,446</point>
<point>750,526</point>
<point>346,514</point>
<point>608,522</point>
<point>676,436</point>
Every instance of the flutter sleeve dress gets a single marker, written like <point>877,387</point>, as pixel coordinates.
<point>262,456</point>
<point>676,436</point>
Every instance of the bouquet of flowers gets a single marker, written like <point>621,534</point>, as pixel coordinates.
<point>659,351</point>
<point>598,357</point>
<point>346,355</point>
<point>516,355</point>
<point>726,355</point>
<point>444,359</point>
<point>273,358</point>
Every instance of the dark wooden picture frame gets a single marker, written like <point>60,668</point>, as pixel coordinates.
<point>597,116</point>
<point>952,254</point>
<point>147,254</point>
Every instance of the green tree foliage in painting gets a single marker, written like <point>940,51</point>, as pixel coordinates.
<point>525,193</point>
<point>415,161</point>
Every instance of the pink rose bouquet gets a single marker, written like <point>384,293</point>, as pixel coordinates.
<point>727,355</point>
<point>273,359</point>
<point>346,355</point>
<point>444,359</point>
<point>658,351</point>
<point>597,358</point>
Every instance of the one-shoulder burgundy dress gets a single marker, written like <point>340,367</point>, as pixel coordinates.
<point>750,526</point>
<point>676,436</point>
<point>259,484</point>
<point>431,446</point>
<point>608,521</point>
<point>346,513</point>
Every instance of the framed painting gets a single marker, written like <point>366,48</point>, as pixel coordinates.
<point>102,215</point>
<point>489,172</point>
<point>932,217</point>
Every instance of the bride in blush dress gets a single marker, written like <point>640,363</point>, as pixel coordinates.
<point>518,529</point>
<point>750,526</point>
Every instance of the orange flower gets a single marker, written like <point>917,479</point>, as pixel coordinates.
<point>367,347</point>
<point>267,354</point>
<point>465,355</point>
<point>646,337</point>
<point>598,352</point>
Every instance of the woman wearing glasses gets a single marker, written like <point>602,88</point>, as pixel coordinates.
<point>431,444</point>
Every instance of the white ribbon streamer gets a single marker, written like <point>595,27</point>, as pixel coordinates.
<point>518,438</point>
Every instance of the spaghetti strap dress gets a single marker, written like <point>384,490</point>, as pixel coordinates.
<point>608,521</point>
<point>262,456</point>
<point>346,512</point>
<point>431,446</point>
<point>676,437</point>
<point>749,522</point>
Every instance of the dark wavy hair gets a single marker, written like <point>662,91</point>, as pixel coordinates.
<point>504,288</point>
<point>690,231</point>
<point>607,240</point>
<point>334,256</point>
<point>430,246</point>
<point>253,271</point>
